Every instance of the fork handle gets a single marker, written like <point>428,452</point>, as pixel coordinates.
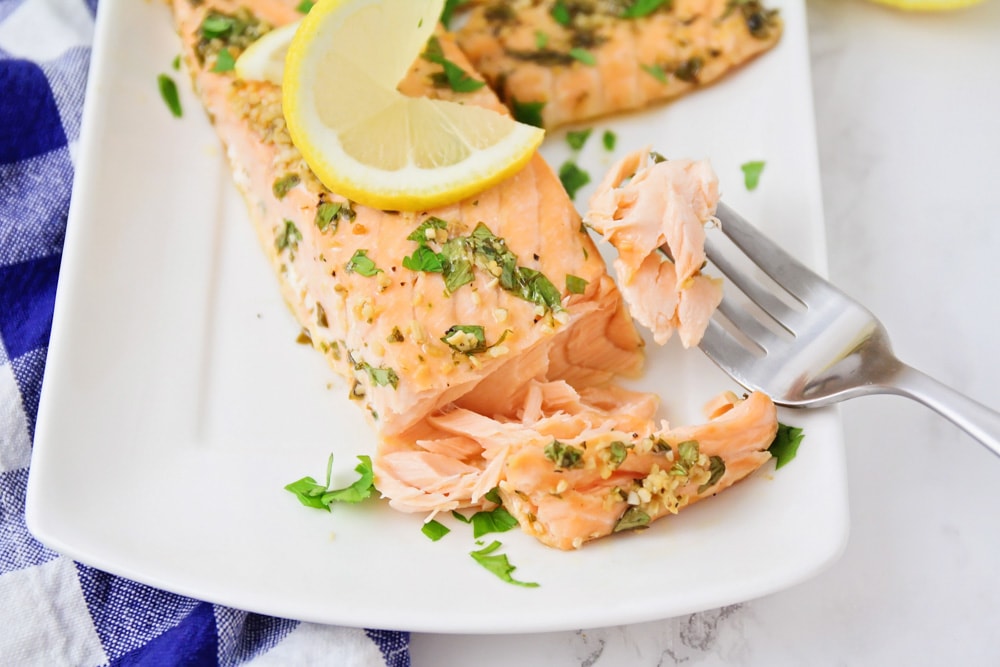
<point>979,421</point>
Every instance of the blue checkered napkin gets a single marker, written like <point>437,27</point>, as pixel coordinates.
<point>54,611</point>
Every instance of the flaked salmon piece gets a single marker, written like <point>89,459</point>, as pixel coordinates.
<point>471,376</point>
<point>401,336</point>
<point>646,203</point>
<point>571,60</point>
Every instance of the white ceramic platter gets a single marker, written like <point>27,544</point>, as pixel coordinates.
<point>176,404</point>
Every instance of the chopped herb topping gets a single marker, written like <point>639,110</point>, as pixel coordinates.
<point>498,520</point>
<point>312,494</point>
<point>176,64</point>
<point>168,91</point>
<point>563,455</point>
<point>583,55</point>
<point>575,284</point>
<point>785,444</point>
<point>656,72</point>
<point>449,11</point>
<point>282,185</point>
<point>224,61</point>
<point>434,530</point>
<point>716,469</point>
<point>327,213</point>
<point>461,517</point>
<point>751,174</point>
<point>362,264</point>
<point>632,519</point>
<point>395,336</point>
<point>421,235</point>
<point>541,39</point>
<point>465,338</point>
<point>498,564</point>
<point>217,25</point>
<point>560,12</point>
<point>288,237</point>
<point>688,70</point>
<point>305,6</point>
<point>617,452</point>
<point>527,112</point>
<point>609,139</point>
<point>572,177</point>
<point>232,32</point>
<point>576,139</point>
<point>424,259</point>
<point>321,319</point>
<point>759,20</point>
<point>453,76</point>
<point>382,377</point>
<point>639,8</point>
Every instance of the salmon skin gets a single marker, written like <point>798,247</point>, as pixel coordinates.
<point>563,61</point>
<point>469,375</point>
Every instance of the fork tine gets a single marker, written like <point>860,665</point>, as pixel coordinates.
<point>749,325</point>
<point>760,295</point>
<point>793,276</point>
<point>727,352</point>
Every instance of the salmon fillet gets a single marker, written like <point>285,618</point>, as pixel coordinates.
<point>520,336</point>
<point>564,61</point>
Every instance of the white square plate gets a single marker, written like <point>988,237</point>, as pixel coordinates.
<point>176,404</point>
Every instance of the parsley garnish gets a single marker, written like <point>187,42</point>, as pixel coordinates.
<point>617,452</point>
<point>327,212</point>
<point>382,377</point>
<point>224,61</point>
<point>561,13</point>
<point>305,6</point>
<point>288,237</point>
<point>541,39</point>
<point>453,76</point>
<point>716,469</point>
<point>576,139</point>
<point>362,264</point>
<point>563,455</point>
<point>312,494</point>
<point>751,174</point>
<point>785,444</point>
<point>420,233</point>
<point>435,530</point>
<point>583,55</point>
<point>527,112</point>
<point>449,10</point>
<point>573,178</point>
<point>465,338</point>
<point>640,8</point>
<point>655,71</point>
<point>216,25</point>
<point>498,564</point>
<point>498,520</point>
<point>575,284</point>
<point>461,517</point>
<point>176,64</point>
<point>610,139</point>
<point>168,91</point>
<point>424,259</point>
<point>632,519</point>
<point>282,185</point>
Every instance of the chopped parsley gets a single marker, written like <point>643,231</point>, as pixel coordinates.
<point>305,6</point>
<point>362,264</point>
<point>498,564</point>
<point>448,12</point>
<point>576,139</point>
<point>424,259</point>
<point>617,452</point>
<point>465,338</point>
<point>639,8</point>
<point>288,237</point>
<point>453,76</point>
<point>498,520</point>
<point>529,113</point>
<point>282,185</point>
<point>327,213</point>
<point>716,469</point>
<point>421,235</point>
<point>224,61</point>
<point>560,12</point>
<point>383,377</point>
<point>176,64</point>
<point>785,444</point>
<point>572,177</point>
<point>541,39</point>
<point>168,91</point>
<point>583,55</point>
<point>312,494</point>
<point>632,519</point>
<point>751,173</point>
<point>609,139</point>
<point>563,455</point>
<point>656,72</point>
<point>434,530</point>
<point>461,517</point>
<point>217,26</point>
<point>575,284</point>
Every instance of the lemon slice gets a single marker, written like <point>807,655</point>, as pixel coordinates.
<point>365,140</point>
<point>264,60</point>
<point>929,5</point>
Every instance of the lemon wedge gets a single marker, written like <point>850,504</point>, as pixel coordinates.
<point>929,5</point>
<point>264,60</point>
<point>367,141</point>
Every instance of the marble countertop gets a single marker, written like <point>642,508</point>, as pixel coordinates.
<point>908,126</point>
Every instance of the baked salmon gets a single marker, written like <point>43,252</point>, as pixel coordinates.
<point>564,61</point>
<point>654,212</point>
<point>470,367</point>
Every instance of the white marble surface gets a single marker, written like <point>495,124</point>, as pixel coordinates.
<point>908,122</point>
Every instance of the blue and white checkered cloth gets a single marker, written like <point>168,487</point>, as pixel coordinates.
<point>54,611</point>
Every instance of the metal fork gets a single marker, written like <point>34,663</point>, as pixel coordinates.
<point>820,346</point>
